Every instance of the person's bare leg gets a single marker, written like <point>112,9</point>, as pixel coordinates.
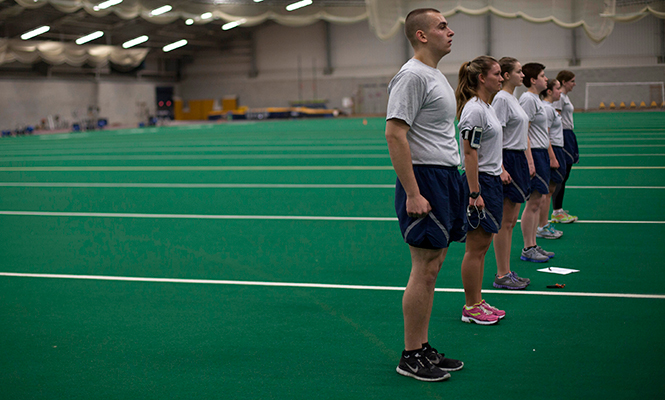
<point>477,243</point>
<point>419,295</point>
<point>530,217</point>
<point>545,207</point>
<point>504,239</point>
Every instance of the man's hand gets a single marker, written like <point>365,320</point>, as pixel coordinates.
<point>532,169</point>
<point>477,202</point>
<point>506,178</point>
<point>417,206</point>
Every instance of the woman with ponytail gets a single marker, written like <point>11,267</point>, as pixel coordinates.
<point>556,153</point>
<point>481,140</point>
<point>517,172</point>
<point>566,108</point>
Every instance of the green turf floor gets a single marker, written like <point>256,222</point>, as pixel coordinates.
<point>100,339</point>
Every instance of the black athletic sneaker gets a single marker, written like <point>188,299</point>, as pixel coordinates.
<point>438,360</point>
<point>419,367</point>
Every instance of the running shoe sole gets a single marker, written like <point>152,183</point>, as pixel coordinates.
<point>533,260</point>
<point>509,287</point>
<point>479,322</point>
<point>420,378</point>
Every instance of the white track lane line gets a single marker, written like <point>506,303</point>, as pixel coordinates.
<point>250,185</point>
<point>316,285</point>
<point>252,168</point>
<point>205,168</point>
<point>247,217</point>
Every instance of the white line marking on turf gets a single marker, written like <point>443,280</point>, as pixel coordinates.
<point>249,185</point>
<point>206,168</point>
<point>623,155</point>
<point>251,217</point>
<point>619,145</point>
<point>241,168</point>
<point>196,185</point>
<point>194,157</point>
<point>615,187</point>
<point>631,167</point>
<point>312,285</point>
<point>193,216</point>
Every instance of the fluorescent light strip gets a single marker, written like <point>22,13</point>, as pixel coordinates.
<point>231,25</point>
<point>161,10</point>
<point>88,38</point>
<point>106,4</point>
<point>189,21</point>
<point>35,32</point>
<point>134,42</point>
<point>206,15</point>
<point>174,45</point>
<point>297,5</point>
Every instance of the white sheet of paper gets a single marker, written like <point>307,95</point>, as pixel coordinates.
<point>558,270</point>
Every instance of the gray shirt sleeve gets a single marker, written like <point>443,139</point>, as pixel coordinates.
<point>406,97</point>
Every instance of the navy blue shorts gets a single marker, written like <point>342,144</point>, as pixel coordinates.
<point>558,174</point>
<point>570,147</point>
<point>519,188</point>
<point>541,182</point>
<point>491,189</point>
<point>442,187</point>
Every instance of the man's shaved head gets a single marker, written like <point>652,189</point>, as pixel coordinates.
<point>417,20</point>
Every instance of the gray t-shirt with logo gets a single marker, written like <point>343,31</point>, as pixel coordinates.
<point>422,97</point>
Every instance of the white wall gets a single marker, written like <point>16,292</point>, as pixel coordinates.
<point>27,102</point>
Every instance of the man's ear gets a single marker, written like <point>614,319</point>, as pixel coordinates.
<point>420,35</point>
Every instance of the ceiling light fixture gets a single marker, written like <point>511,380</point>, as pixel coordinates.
<point>90,37</point>
<point>134,42</point>
<point>231,25</point>
<point>206,15</point>
<point>174,45</point>
<point>299,4</point>
<point>189,21</point>
<point>161,10</point>
<point>106,4</point>
<point>35,32</point>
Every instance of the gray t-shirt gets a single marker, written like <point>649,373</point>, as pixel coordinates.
<point>477,113</point>
<point>554,125</point>
<point>513,119</point>
<point>566,107</point>
<point>533,106</point>
<point>422,97</point>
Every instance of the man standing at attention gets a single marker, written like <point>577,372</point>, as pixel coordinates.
<point>420,130</point>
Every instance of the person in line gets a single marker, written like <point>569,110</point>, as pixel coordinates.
<point>571,150</point>
<point>516,173</point>
<point>556,154</point>
<point>481,139</point>
<point>535,81</point>
<point>420,131</point>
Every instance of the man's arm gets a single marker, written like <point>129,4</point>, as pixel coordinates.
<point>400,155</point>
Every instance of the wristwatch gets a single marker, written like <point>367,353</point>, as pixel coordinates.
<point>474,195</point>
